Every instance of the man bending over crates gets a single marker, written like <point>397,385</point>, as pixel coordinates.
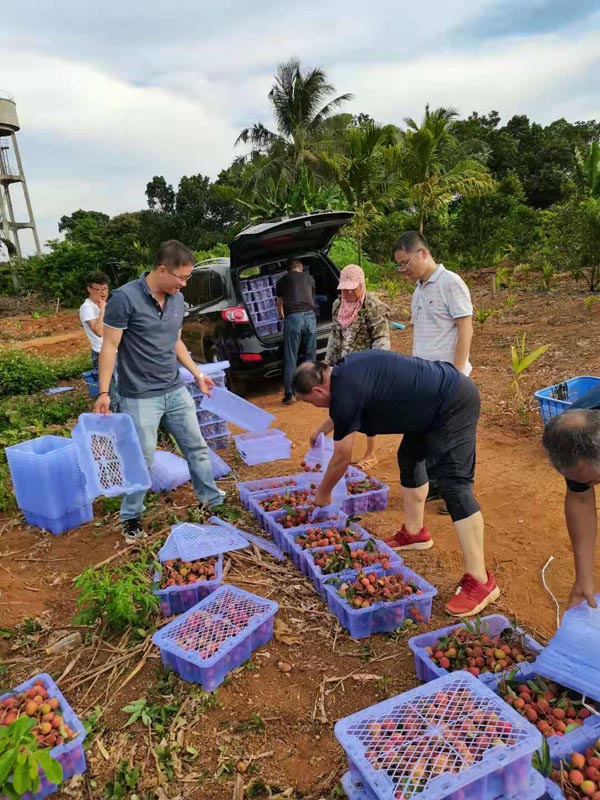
<point>437,409</point>
<point>572,442</point>
<point>143,321</point>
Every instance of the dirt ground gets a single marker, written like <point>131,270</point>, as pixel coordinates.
<point>521,498</point>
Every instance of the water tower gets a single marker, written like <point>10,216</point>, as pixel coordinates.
<point>11,175</point>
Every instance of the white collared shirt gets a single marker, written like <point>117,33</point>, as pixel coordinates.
<point>436,303</point>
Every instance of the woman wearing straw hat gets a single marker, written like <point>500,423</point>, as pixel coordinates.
<point>360,322</point>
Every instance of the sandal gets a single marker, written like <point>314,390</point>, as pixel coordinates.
<point>365,464</point>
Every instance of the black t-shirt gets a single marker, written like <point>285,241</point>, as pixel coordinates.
<point>297,290</point>
<point>589,400</point>
<point>378,392</point>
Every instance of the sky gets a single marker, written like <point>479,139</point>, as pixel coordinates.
<point>110,94</point>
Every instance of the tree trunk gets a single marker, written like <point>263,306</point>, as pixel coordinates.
<point>359,250</point>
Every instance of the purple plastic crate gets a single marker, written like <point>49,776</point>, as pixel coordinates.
<point>168,471</point>
<point>235,409</point>
<point>248,488</point>
<point>58,525</point>
<point>260,448</point>
<point>220,468</point>
<point>427,670</point>
<point>373,500</point>
<point>296,552</point>
<point>577,742</point>
<point>177,599</point>
<point>70,755</point>
<point>356,790</point>
<point>210,430</point>
<point>190,541</point>
<point>557,744</point>
<point>259,541</point>
<point>268,328</point>
<point>382,617</point>
<point>482,747</point>
<point>256,498</point>
<point>218,442</point>
<point>284,537</point>
<point>315,573</point>
<point>217,635</point>
<point>206,416</point>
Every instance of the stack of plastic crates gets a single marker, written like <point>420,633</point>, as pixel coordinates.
<point>190,543</point>
<point>214,428</point>
<point>452,739</point>
<point>49,483</point>
<point>55,479</point>
<point>216,635</point>
<point>558,398</point>
<point>70,755</point>
<point>260,448</point>
<point>259,297</point>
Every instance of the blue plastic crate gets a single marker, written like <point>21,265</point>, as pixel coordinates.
<point>219,441</point>
<point>235,409</point>
<point>320,452</point>
<point>574,388</point>
<point>383,617</point>
<point>284,537</point>
<point>256,498</point>
<point>259,541</point>
<point>356,790</point>
<point>210,430</point>
<point>296,551</point>
<point>220,468</point>
<point>577,742</point>
<point>70,754</point>
<point>451,739</point>
<point>248,488</point>
<point>494,624</point>
<point>315,573</point>
<point>261,448</point>
<point>206,416</point>
<point>189,541</point>
<point>91,379</point>
<point>256,284</point>
<point>557,744</point>
<point>373,500</point>
<point>58,525</point>
<point>177,599</point>
<point>47,478</point>
<point>572,657</point>
<point>168,471</point>
<point>217,635</point>
<point>110,455</point>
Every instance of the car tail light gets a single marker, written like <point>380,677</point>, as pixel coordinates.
<point>250,357</point>
<point>236,314</point>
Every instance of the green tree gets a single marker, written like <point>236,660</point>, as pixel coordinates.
<point>300,101</point>
<point>437,168</point>
<point>571,238</point>
<point>588,170</point>
<point>160,195</point>
<point>366,170</point>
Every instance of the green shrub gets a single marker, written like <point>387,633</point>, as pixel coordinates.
<point>25,373</point>
<point>344,251</point>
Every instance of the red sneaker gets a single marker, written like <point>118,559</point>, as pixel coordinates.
<point>472,596</point>
<point>403,540</point>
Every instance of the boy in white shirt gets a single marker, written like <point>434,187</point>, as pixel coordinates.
<point>91,315</point>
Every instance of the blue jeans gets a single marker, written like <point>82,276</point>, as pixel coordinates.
<point>113,390</point>
<point>177,412</point>
<point>299,333</point>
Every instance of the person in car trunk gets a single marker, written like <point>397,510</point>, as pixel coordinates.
<point>359,322</point>
<point>143,320</point>
<point>296,306</point>
<point>437,410</point>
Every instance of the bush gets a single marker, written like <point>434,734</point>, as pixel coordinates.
<point>25,373</point>
<point>344,251</point>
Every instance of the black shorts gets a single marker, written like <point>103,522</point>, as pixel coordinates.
<point>449,448</point>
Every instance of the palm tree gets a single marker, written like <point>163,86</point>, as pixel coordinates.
<point>300,105</point>
<point>588,170</point>
<point>437,168</point>
<point>366,171</point>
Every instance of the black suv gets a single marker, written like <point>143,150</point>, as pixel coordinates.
<point>230,301</point>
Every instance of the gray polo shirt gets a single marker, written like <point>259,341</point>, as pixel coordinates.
<point>436,303</point>
<point>148,366</point>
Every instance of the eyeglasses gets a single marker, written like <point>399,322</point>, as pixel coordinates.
<point>406,264</point>
<point>181,278</point>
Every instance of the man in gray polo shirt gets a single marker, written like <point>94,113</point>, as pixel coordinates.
<point>441,311</point>
<point>143,321</point>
